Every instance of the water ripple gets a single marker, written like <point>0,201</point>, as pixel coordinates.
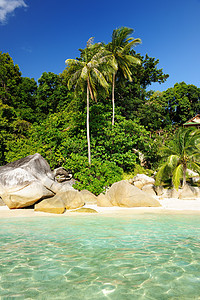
<point>144,257</point>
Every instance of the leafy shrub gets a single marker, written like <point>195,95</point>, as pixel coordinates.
<point>97,177</point>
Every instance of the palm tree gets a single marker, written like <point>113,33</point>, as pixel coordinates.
<point>119,48</point>
<point>88,74</point>
<point>182,153</point>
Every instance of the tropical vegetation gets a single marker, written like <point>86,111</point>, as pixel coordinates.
<point>98,118</point>
<point>182,152</point>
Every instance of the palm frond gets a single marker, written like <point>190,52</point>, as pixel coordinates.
<point>90,41</point>
<point>195,166</point>
<point>84,73</point>
<point>92,88</point>
<point>120,35</point>
<point>73,62</point>
<point>133,60</point>
<point>123,66</point>
<point>73,80</point>
<point>160,174</point>
<point>101,78</point>
<point>130,44</point>
<point>173,161</point>
<point>177,175</point>
<point>165,151</point>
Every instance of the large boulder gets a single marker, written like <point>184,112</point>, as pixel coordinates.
<point>88,197</point>
<point>103,201</point>
<point>25,181</point>
<point>124,194</point>
<point>71,199</point>
<point>51,205</point>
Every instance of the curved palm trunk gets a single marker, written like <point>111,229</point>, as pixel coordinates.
<point>113,100</point>
<point>88,126</point>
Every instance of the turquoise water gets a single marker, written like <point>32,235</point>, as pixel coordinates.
<point>96,257</point>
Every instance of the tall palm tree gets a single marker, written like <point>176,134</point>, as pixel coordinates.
<point>88,74</point>
<point>182,153</point>
<point>119,48</point>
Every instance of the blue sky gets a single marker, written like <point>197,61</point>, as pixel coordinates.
<point>41,34</point>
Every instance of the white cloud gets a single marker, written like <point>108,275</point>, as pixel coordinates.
<point>8,6</point>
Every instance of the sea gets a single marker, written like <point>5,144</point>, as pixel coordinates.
<point>140,256</point>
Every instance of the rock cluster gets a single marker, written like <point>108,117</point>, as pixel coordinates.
<point>187,192</point>
<point>30,181</point>
<point>146,184</point>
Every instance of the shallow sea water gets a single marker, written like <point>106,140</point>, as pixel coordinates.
<point>97,257</point>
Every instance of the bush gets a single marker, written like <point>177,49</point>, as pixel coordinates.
<point>97,177</point>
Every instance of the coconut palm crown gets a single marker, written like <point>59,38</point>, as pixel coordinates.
<point>181,154</point>
<point>88,73</point>
<point>119,48</point>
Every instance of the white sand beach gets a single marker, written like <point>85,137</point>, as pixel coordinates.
<point>168,206</point>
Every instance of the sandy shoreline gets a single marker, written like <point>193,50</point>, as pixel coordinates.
<point>169,206</point>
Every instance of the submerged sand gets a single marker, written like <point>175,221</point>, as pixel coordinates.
<point>168,206</point>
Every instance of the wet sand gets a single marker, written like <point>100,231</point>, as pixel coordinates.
<point>168,206</point>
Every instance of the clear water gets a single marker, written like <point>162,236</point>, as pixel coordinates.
<point>96,257</point>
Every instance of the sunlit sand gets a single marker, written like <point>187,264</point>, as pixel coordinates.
<point>169,206</point>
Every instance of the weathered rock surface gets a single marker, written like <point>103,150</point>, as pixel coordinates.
<point>171,193</point>
<point>149,189</point>
<point>61,174</point>
<point>103,201</point>
<point>159,190</point>
<point>140,180</point>
<point>189,192</point>
<point>138,184</point>
<point>88,197</point>
<point>71,199</point>
<point>51,205</point>
<point>25,181</point>
<point>124,194</point>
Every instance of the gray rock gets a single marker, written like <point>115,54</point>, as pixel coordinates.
<point>61,174</point>
<point>25,181</point>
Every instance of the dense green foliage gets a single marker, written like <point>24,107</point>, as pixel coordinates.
<point>181,152</point>
<point>48,118</point>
